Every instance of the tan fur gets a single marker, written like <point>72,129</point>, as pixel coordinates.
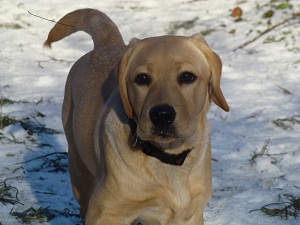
<point>114,182</point>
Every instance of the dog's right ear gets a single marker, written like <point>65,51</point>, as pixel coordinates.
<point>123,77</point>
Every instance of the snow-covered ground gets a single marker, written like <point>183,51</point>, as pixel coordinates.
<point>260,82</point>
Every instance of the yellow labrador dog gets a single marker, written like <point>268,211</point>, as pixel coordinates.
<point>135,121</point>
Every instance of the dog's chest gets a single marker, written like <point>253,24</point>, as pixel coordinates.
<point>178,196</point>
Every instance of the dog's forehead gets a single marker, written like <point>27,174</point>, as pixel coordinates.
<point>167,44</point>
<point>168,49</point>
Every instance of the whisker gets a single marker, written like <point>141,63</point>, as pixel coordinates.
<point>134,139</point>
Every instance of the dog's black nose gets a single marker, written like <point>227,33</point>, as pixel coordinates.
<point>162,115</point>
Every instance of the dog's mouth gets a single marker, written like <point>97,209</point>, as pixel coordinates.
<point>164,133</point>
<point>157,134</point>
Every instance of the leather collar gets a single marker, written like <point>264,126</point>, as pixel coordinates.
<point>151,150</point>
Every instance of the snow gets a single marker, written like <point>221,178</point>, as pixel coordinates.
<point>253,82</point>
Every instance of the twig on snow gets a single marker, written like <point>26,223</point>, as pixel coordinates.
<point>43,156</point>
<point>294,16</point>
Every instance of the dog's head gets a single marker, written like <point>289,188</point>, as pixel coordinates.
<point>166,84</point>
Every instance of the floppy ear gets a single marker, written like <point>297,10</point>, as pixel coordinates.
<point>215,64</point>
<point>123,76</point>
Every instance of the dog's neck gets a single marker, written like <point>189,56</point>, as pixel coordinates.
<point>151,150</point>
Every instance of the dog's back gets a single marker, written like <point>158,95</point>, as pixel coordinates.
<point>88,87</point>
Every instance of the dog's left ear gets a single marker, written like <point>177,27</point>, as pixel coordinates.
<point>122,73</point>
<point>215,64</point>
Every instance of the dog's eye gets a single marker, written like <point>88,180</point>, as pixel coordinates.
<point>186,78</point>
<point>142,79</point>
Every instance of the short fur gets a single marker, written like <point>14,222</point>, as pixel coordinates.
<point>113,181</point>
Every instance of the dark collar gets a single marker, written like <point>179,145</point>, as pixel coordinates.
<point>153,151</point>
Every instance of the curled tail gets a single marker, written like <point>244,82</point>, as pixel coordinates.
<point>102,29</point>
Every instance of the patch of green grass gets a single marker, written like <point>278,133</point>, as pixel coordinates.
<point>5,101</point>
<point>30,124</point>
<point>272,7</point>
<point>7,120</point>
<point>41,215</point>
<point>8,194</point>
<point>175,26</point>
<point>276,5</point>
<point>284,5</point>
<point>288,205</point>
<point>271,39</point>
<point>268,14</point>
<point>207,31</point>
<point>14,26</point>
<point>33,215</point>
